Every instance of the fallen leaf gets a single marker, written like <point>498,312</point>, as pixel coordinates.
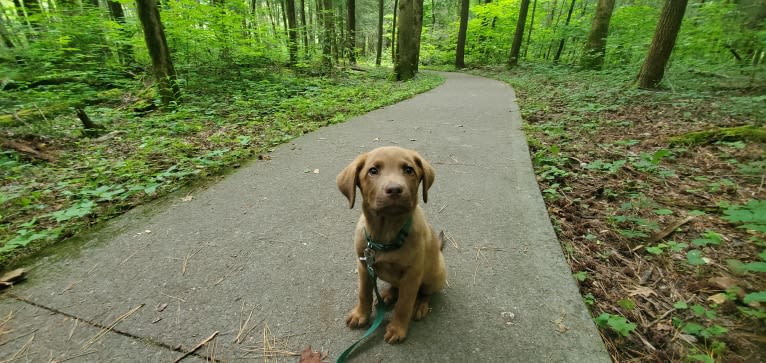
<point>664,327</point>
<point>161,307</point>
<point>718,298</point>
<point>310,356</point>
<point>722,282</point>
<point>316,171</point>
<point>187,198</point>
<point>12,277</point>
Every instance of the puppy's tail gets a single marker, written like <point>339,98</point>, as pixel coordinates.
<point>441,240</point>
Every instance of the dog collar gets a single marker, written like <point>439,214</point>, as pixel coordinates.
<point>393,244</point>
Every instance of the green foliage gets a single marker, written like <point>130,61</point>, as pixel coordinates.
<point>616,323</point>
<point>751,215</point>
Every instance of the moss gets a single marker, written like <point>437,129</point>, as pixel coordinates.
<point>738,133</point>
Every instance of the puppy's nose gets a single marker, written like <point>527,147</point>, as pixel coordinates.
<point>393,189</point>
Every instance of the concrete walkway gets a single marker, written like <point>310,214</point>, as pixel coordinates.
<point>267,252</point>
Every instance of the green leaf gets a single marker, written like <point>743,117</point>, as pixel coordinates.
<point>759,296</point>
<point>681,305</point>
<point>663,212</point>
<point>704,358</point>
<point>692,328</point>
<point>78,210</point>
<point>755,266</point>
<point>627,304</point>
<point>581,275</point>
<point>694,257</point>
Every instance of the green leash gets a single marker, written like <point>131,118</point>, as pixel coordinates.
<point>381,308</point>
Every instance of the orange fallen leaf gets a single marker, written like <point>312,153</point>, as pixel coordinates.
<point>310,356</point>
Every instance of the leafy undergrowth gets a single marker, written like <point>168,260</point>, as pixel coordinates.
<point>664,233</point>
<point>145,154</point>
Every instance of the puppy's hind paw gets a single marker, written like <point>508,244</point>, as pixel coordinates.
<point>357,319</point>
<point>389,295</point>
<point>422,308</point>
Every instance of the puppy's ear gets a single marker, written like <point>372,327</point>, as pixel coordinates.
<point>427,174</point>
<point>348,179</point>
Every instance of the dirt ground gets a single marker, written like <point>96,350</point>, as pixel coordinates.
<point>641,216</point>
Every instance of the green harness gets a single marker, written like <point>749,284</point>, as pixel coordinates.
<point>381,308</point>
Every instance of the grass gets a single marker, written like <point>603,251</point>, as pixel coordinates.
<point>146,153</point>
<point>666,240</point>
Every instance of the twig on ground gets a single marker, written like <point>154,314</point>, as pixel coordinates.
<point>242,327</point>
<point>111,326</point>
<point>23,349</point>
<point>173,297</point>
<point>654,238</point>
<point>207,340</point>
<point>76,356</point>
<point>71,332</point>
<point>187,258</point>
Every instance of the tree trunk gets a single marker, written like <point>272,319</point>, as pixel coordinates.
<point>328,32</point>
<point>394,41</point>
<point>379,48</point>
<point>305,28</point>
<point>563,39</point>
<point>351,22</point>
<point>662,44</point>
<point>292,32</point>
<point>124,50</point>
<point>406,64</point>
<point>461,34</point>
<point>531,25</point>
<point>7,37</point>
<point>595,49</point>
<point>154,35</point>
<point>518,35</point>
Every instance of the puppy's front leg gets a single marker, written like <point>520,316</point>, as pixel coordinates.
<point>360,314</point>
<point>396,331</point>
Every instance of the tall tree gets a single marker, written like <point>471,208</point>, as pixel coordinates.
<point>124,49</point>
<point>328,31</point>
<point>305,28</point>
<point>393,32</point>
<point>663,42</point>
<point>410,24</point>
<point>292,31</point>
<point>154,35</point>
<point>595,49</point>
<point>461,35</point>
<point>518,35</point>
<point>379,46</point>
<point>351,9</point>
<point>531,26</point>
<point>563,39</point>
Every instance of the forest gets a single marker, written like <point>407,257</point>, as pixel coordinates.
<point>645,120</point>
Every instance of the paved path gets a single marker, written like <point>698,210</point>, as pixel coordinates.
<point>272,243</point>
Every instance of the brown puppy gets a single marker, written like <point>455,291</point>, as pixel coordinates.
<point>388,179</point>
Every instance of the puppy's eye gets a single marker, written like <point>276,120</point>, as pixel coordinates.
<point>408,170</point>
<point>373,171</point>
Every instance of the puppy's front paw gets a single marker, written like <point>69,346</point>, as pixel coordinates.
<point>395,333</point>
<point>357,318</point>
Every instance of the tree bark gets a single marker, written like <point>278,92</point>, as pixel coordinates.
<point>518,35</point>
<point>410,24</point>
<point>461,34</point>
<point>663,42</point>
<point>305,28</point>
<point>292,32</point>
<point>328,33</point>
<point>379,48</point>
<point>162,65</point>
<point>563,39</point>
<point>351,22</point>
<point>124,50</point>
<point>595,49</point>
<point>394,41</point>
<point>531,26</point>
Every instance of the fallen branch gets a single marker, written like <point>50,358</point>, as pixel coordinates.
<point>109,328</point>
<point>655,237</point>
<point>197,347</point>
<point>26,149</point>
